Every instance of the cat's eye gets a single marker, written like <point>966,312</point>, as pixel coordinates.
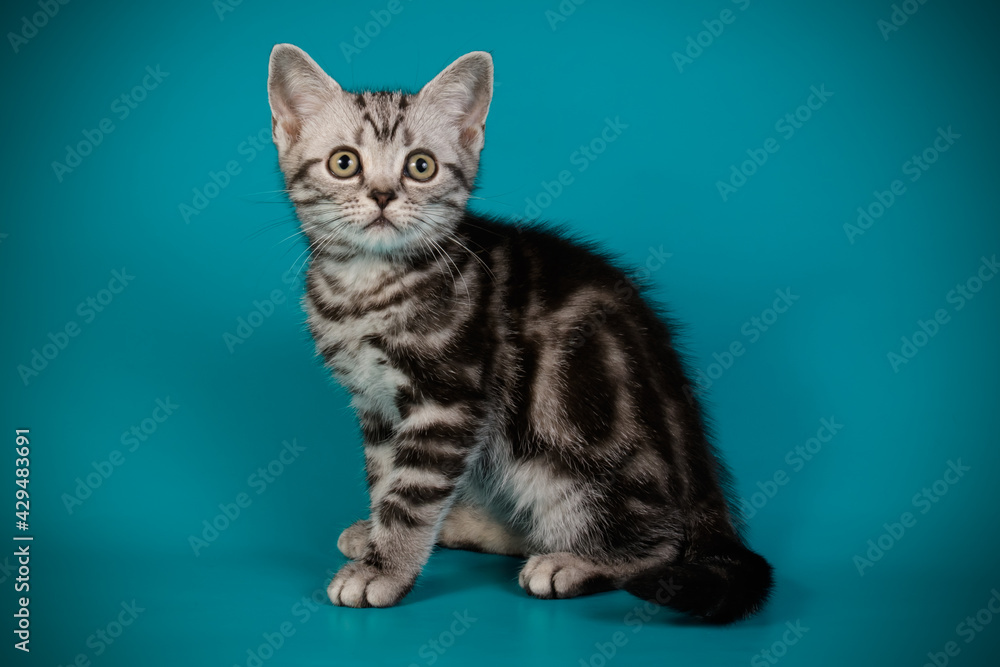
<point>420,166</point>
<point>344,163</point>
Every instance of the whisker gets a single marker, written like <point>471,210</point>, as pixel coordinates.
<point>449,258</point>
<point>470,251</point>
<point>479,259</point>
<point>494,199</point>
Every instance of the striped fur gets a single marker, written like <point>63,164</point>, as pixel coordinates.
<point>495,417</point>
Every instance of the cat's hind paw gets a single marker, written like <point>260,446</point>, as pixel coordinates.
<point>359,584</point>
<point>562,575</point>
<point>353,542</point>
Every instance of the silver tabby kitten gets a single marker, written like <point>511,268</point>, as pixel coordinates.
<point>517,393</point>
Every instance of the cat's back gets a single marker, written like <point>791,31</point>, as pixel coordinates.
<point>554,282</point>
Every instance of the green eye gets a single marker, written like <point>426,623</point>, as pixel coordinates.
<point>345,163</point>
<point>420,166</point>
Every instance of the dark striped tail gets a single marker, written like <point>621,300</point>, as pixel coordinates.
<point>718,580</point>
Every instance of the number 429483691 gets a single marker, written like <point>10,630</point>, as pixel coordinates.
<point>22,473</point>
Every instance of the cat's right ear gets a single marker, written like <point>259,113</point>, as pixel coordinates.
<point>297,88</point>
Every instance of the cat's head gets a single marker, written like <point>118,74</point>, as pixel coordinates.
<point>384,173</point>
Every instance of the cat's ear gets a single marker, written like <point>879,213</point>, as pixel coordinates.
<point>297,88</point>
<point>463,91</point>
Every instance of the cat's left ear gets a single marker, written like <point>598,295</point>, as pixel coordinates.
<point>463,91</point>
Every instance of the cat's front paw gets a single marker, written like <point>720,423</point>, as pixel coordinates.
<point>353,542</point>
<point>359,584</point>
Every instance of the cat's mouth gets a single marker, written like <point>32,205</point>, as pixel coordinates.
<point>381,222</point>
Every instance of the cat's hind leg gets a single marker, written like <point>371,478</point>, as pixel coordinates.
<point>465,527</point>
<point>353,542</point>
<point>565,575</point>
<point>473,529</point>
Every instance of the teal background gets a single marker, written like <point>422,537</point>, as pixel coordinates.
<point>655,186</point>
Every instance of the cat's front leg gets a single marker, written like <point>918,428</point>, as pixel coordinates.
<point>417,472</point>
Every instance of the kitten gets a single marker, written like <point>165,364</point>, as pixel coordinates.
<point>517,393</point>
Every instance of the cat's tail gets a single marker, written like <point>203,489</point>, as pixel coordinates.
<point>717,579</point>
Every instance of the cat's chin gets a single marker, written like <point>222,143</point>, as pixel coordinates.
<point>382,236</point>
<point>387,241</point>
<point>379,223</point>
<point>391,238</point>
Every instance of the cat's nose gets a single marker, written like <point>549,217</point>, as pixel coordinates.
<point>382,198</point>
